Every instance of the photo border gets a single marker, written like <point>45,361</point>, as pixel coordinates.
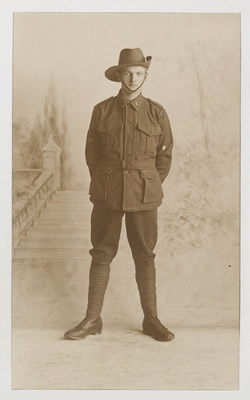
<point>191,6</point>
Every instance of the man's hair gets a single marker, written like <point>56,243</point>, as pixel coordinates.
<point>125,68</point>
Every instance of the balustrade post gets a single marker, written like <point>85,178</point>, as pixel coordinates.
<point>51,161</point>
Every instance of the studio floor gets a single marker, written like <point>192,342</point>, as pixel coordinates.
<point>122,358</point>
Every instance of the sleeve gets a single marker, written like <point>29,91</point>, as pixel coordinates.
<point>164,153</point>
<point>92,148</point>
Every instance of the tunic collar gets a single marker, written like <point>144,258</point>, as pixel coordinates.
<point>136,103</point>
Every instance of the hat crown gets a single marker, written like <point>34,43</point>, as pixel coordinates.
<point>131,56</point>
<point>128,57</point>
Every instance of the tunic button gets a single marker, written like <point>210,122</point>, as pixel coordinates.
<point>126,172</point>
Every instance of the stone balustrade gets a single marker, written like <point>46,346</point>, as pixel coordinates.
<point>43,189</point>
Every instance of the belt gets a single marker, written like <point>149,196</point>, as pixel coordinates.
<point>128,164</point>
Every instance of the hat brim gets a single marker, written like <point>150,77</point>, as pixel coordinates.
<point>110,73</point>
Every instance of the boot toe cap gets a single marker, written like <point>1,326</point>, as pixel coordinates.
<point>85,328</point>
<point>154,328</point>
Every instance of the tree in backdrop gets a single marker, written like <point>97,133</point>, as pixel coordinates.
<point>26,145</point>
<point>28,142</point>
<point>55,123</point>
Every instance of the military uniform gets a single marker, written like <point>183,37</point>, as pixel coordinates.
<point>128,152</point>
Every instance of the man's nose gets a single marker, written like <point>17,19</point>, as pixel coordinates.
<point>133,77</point>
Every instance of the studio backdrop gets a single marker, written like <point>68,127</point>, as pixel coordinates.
<point>59,61</point>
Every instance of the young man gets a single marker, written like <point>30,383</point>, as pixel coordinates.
<point>128,152</point>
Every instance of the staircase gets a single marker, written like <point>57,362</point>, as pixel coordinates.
<point>62,230</point>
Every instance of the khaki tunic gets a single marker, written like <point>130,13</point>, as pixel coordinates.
<point>128,152</point>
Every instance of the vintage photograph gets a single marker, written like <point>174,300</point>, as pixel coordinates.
<point>126,201</point>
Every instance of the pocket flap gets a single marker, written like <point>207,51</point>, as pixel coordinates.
<point>108,128</point>
<point>103,171</point>
<point>149,174</point>
<point>150,130</point>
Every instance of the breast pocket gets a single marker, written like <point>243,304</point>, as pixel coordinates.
<point>109,137</point>
<point>147,138</point>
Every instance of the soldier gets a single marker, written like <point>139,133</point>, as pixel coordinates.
<point>128,152</point>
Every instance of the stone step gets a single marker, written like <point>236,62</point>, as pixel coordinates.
<point>62,214</point>
<point>69,192</point>
<point>49,242</point>
<point>59,233</point>
<point>70,199</point>
<point>51,233</point>
<point>60,223</point>
<point>70,195</point>
<point>76,202</point>
<point>48,254</point>
<point>68,205</point>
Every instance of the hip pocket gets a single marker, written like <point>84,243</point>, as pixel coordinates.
<point>99,185</point>
<point>152,186</point>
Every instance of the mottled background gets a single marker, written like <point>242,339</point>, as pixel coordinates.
<point>195,75</point>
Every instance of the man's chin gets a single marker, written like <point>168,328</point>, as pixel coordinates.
<point>131,89</point>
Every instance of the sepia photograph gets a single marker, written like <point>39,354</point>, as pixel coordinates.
<point>126,132</point>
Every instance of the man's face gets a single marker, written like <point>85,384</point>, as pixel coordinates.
<point>132,77</point>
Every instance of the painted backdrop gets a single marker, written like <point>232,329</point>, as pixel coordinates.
<point>59,59</point>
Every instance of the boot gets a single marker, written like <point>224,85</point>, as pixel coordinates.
<point>145,278</point>
<point>152,326</point>
<point>92,323</point>
<point>85,328</point>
